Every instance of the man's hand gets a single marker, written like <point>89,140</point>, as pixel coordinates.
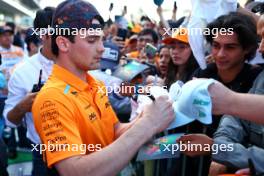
<point>193,139</point>
<point>222,98</point>
<point>26,103</point>
<point>154,118</point>
<point>18,112</point>
<point>150,81</point>
<point>159,114</point>
<point>216,169</point>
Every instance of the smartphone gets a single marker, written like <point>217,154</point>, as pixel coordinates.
<point>150,50</point>
<point>122,33</point>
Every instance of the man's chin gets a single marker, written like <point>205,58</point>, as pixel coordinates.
<point>223,68</point>
<point>95,66</point>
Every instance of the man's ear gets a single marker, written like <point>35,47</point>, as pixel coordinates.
<point>63,44</point>
<point>248,50</point>
<point>32,46</point>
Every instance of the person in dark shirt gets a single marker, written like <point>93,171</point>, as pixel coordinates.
<point>241,83</point>
<point>230,52</point>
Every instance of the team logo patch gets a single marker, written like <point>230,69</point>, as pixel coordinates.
<point>92,116</point>
<point>107,104</point>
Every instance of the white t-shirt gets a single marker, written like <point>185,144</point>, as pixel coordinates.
<point>21,82</point>
<point>10,57</point>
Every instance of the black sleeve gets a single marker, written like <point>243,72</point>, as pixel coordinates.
<point>197,73</point>
<point>209,72</point>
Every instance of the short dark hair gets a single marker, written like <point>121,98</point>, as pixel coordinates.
<point>145,18</point>
<point>11,24</point>
<point>31,38</point>
<point>243,26</point>
<point>43,18</point>
<point>151,32</point>
<point>54,46</point>
<point>163,46</point>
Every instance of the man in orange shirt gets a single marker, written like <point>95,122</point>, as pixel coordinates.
<point>75,121</point>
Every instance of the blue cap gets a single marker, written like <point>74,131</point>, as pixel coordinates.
<point>75,14</point>
<point>6,29</point>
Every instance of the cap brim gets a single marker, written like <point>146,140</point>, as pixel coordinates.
<point>168,40</point>
<point>130,70</point>
<point>100,19</point>
<point>132,40</point>
<point>7,31</point>
<point>106,64</point>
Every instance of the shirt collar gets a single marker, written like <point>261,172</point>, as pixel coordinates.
<point>7,49</point>
<point>74,81</point>
<point>43,59</point>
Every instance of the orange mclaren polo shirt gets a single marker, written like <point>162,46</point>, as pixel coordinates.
<point>71,115</point>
